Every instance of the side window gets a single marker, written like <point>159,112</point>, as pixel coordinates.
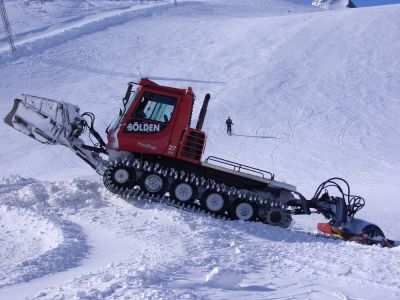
<point>155,107</point>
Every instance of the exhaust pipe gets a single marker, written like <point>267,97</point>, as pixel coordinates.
<point>203,112</point>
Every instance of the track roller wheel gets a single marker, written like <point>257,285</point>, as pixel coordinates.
<point>278,217</point>
<point>244,210</point>
<point>119,177</point>
<point>214,202</point>
<point>153,183</point>
<point>183,192</point>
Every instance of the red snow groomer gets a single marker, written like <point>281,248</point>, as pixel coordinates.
<point>153,152</point>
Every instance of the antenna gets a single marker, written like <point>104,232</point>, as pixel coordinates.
<point>7,27</point>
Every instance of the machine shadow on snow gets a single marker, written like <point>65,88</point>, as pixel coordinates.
<point>247,288</point>
<point>267,232</point>
<point>257,136</point>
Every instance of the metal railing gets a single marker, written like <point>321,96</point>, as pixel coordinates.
<point>240,168</point>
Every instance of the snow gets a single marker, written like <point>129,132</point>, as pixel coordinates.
<point>312,93</point>
<point>224,278</point>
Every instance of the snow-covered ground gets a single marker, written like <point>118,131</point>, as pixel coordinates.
<point>312,93</point>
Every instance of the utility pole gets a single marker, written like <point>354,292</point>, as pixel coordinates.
<point>7,27</point>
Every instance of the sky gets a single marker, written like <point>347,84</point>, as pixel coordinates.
<point>374,2</point>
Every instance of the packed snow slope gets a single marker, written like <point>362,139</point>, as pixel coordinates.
<point>312,94</point>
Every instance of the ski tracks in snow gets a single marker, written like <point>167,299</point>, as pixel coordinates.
<point>344,137</point>
<point>43,39</point>
<point>35,245</point>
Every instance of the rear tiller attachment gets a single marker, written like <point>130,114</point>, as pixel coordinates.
<point>340,210</point>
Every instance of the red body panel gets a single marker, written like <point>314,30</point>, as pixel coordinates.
<point>325,228</point>
<point>161,138</point>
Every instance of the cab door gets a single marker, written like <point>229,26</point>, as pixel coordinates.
<point>149,122</point>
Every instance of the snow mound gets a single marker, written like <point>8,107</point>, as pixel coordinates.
<point>51,196</point>
<point>36,236</point>
<point>34,245</point>
<point>13,182</point>
<point>224,278</point>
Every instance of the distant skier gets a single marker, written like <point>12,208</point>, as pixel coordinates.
<point>229,124</point>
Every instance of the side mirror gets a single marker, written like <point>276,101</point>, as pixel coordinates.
<point>128,93</point>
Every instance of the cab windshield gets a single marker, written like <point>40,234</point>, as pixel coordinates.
<point>122,111</point>
<point>155,107</point>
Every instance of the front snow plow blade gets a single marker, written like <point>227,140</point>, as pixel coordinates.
<point>45,120</point>
<point>56,122</point>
